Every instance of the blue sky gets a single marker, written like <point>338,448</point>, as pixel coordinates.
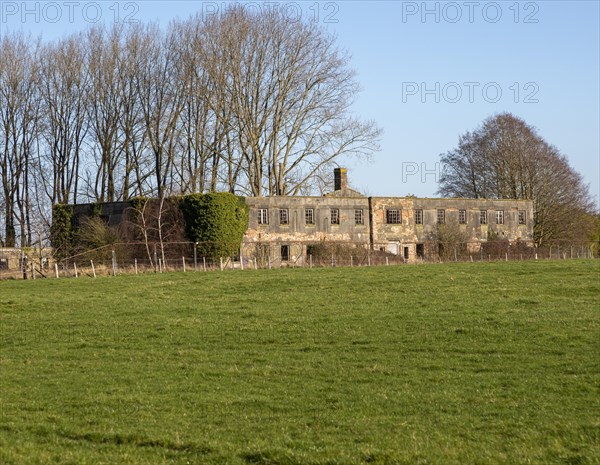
<point>430,71</point>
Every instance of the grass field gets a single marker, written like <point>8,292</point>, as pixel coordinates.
<point>483,363</point>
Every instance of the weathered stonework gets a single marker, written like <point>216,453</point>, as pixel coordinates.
<point>406,238</point>
<point>297,234</point>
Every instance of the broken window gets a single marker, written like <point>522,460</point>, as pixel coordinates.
<point>462,216</point>
<point>285,253</point>
<point>309,215</point>
<point>441,216</point>
<point>358,217</point>
<point>483,217</point>
<point>418,216</point>
<point>283,216</point>
<point>393,216</point>
<point>522,217</point>
<point>263,216</point>
<point>335,216</point>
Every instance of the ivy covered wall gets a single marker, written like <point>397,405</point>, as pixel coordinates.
<point>216,221</point>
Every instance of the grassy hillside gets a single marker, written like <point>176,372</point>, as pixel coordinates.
<point>484,363</point>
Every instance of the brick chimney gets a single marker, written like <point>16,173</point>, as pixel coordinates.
<point>340,178</point>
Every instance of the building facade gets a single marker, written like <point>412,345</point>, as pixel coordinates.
<point>410,227</point>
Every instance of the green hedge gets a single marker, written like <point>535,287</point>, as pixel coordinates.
<point>216,221</point>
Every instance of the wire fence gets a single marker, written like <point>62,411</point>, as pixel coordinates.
<point>139,257</point>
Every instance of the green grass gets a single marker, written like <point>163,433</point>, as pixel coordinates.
<point>484,363</point>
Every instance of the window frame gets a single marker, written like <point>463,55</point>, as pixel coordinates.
<point>418,216</point>
<point>462,216</point>
<point>263,216</point>
<point>441,216</point>
<point>393,216</point>
<point>522,217</point>
<point>334,216</point>
<point>483,217</point>
<point>309,216</point>
<point>359,217</point>
<point>284,216</point>
<point>499,216</point>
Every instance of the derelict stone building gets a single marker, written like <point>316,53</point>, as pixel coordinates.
<point>287,228</point>
<point>409,227</point>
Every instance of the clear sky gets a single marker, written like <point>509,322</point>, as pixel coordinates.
<point>430,71</point>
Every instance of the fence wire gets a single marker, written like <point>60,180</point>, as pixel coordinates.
<point>139,257</point>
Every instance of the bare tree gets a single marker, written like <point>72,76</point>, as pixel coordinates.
<point>64,90</point>
<point>159,88</point>
<point>506,158</point>
<point>19,108</point>
<point>104,104</point>
<point>155,221</point>
<point>197,118</point>
<point>290,90</point>
<point>132,128</point>
<point>139,221</point>
<point>250,103</point>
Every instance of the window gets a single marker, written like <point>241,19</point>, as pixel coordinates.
<point>499,216</point>
<point>285,253</point>
<point>441,216</point>
<point>263,216</point>
<point>358,217</point>
<point>418,216</point>
<point>482,217</point>
<point>309,215</point>
<point>335,216</point>
<point>393,216</point>
<point>462,216</point>
<point>522,217</point>
<point>405,253</point>
<point>283,216</point>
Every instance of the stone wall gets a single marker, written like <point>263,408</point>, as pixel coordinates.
<point>405,238</point>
